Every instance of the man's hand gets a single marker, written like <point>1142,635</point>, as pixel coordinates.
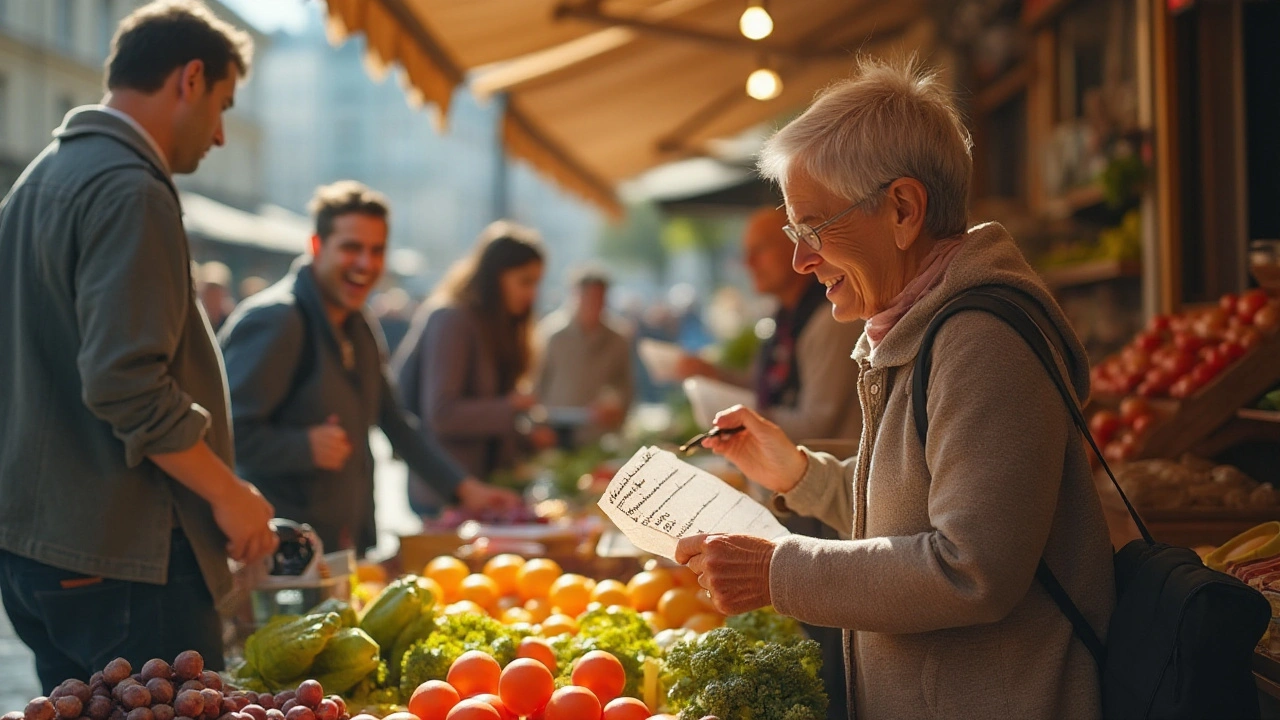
<point>475,495</point>
<point>243,516</point>
<point>330,446</point>
<point>733,569</point>
<point>690,365</point>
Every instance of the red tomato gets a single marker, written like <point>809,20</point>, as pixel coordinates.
<point>572,703</point>
<point>1103,425</point>
<point>1140,424</point>
<point>473,709</point>
<point>526,686</point>
<point>1203,373</point>
<point>1184,387</point>
<point>1249,338</point>
<point>1131,407</point>
<point>1148,341</point>
<point>625,708</point>
<point>1159,323</point>
<point>1187,342</point>
<point>1179,363</point>
<point>601,673</point>
<point>474,673</point>
<point>1267,318</point>
<point>1228,302</point>
<point>1250,303</point>
<point>433,700</point>
<point>1230,351</point>
<point>1160,379</point>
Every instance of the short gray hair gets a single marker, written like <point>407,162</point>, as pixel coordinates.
<point>889,120</point>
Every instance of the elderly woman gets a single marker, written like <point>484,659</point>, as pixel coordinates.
<point>936,589</point>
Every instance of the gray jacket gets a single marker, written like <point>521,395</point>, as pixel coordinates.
<point>277,393</point>
<point>105,358</point>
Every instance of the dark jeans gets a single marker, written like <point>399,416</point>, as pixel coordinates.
<point>75,624</point>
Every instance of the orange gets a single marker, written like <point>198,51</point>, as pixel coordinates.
<point>625,708</point>
<point>506,602</point>
<point>537,649</point>
<point>703,622</point>
<point>611,592</point>
<point>601,673</point>
<point>646,588</point>
<point>479,589</point>
<point>474,672</point>
<point>525,686</point>
<point>433,700</point>
<point>684,577</point>
<point>504,569</point>
<point>496,703</point>
<point>572,703</point>
<point>514,615</point>
<point>536,576</point>
<point>539,608</point>
<point>571,593</point>
<point>559,625</point>
<point>449,572</point>
<point>473,709</point>
<point>437,592</point>
<point>464,607</point>
<point>657,623</point>
<point>678,605</point>
<point>370,572</point>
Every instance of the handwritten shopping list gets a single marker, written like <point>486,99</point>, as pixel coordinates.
<point>657,498</point>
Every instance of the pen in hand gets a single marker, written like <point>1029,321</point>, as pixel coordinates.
<point>695,442</point>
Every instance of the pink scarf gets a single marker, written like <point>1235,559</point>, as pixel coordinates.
<point>932,269</point>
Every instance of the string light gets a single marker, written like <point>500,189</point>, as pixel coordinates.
<point>764,84</point>
<point>755,23</point>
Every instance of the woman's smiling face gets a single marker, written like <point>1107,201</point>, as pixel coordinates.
<point>859,260</point>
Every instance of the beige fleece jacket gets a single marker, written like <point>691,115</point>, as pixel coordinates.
<point>936,589</point>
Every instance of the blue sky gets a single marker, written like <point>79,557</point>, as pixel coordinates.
<point>271,15</point>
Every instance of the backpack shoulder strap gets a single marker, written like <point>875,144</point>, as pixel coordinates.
<point>306,359</point>
<point>1018,310</point>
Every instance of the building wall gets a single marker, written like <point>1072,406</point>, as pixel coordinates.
<point>51,58</point>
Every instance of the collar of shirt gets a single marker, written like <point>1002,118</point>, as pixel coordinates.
<point>137,126</point>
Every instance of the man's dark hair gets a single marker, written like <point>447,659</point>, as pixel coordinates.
<point>162,36</point>
<point>343,198</point>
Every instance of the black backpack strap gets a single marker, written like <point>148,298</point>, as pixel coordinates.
<point>1011,306</point>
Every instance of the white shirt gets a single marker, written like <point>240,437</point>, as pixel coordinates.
<point>164,162</point>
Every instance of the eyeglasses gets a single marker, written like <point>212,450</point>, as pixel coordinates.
<point>800,232</point>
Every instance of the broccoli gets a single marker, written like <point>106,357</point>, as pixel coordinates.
<point>727,674</point>
<point>619,631</point>
<point>430,659</point>
<point>767,625</point>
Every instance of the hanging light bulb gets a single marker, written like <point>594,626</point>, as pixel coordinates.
<point>755,22</point>
<point>764,84</point>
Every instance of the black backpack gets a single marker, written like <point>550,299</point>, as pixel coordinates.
<point>1181,639</point>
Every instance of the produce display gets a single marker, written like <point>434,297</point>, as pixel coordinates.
<point>1254,558</point>
<point>1193,483</point>
<point>524,639</point>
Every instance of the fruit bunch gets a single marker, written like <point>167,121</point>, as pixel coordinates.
<point>478,688</point>
<point>183,690</point>
<point>538,592</point>
<point>1119,434</point>
<point>1179,354</point>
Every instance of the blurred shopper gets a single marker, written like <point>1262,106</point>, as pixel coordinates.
<point>213,287</point>
<point>306,366</point>
<point>120,506</point>
<point>467,355</point>
<point>586,362</point>
<point>796,375</point>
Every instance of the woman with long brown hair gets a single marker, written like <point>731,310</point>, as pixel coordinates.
<point>463,362</point>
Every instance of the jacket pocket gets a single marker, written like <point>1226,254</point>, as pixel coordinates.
<point>89,624</point>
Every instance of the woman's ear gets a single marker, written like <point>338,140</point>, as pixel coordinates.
<point>908,199</point>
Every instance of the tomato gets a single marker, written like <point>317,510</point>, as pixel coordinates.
<point>601,673</point>
<point>1148,341</point>
<point>1203,373</point>
<point>1131,407</point>
<point>1180,362</point>
<point>1230,352</point>
<point>473,709</point>
<point>1228,302</point>
<point>495,702</point>
<point>1128,381</point>
<point>473,673</point>
<point>1184,387</point>
<point>1267,318</point>
<point>1103,425</point>
<point>625,708</point>
<point>526,686</point>
<point>1249,338</point>
<point>1141,423</point>
<point>1250,303</point>
<point>1159,323</point>
<point>572,703</point>
<point>1187,342</point>
<point>1160,379</point>
<point>433,700</point>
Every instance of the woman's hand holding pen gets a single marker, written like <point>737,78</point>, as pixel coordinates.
<point>762,451</point>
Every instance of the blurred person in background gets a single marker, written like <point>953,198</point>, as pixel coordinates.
<point>120,507</point>
<point>251,286</point>
<point>801,381</point>
<point>306,365</point>
<point>586,361</point>
<point>465,364</point>
<point>213,287</point>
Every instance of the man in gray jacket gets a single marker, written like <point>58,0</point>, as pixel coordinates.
<point>306,364</point>
<point>120,507</point>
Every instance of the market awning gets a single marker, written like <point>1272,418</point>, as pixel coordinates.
<point>597,92</point>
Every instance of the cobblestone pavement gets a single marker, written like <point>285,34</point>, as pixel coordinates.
<point>18,682</point>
